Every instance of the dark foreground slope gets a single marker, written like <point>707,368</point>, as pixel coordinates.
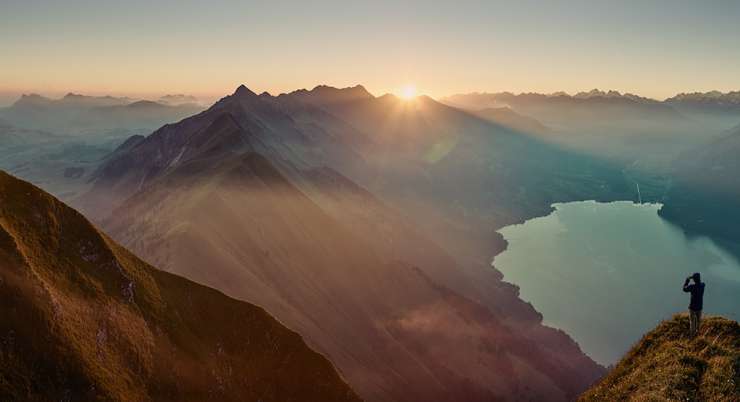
<point>668,365</point>
<point>84,319</point>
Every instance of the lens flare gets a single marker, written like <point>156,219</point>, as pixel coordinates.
<point>408,92</point>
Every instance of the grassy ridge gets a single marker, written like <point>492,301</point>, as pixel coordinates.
<point>666,364</point>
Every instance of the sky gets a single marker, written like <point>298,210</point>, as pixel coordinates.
<point>149,48</point>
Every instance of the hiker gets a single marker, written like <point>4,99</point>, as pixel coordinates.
<point>697,301</point>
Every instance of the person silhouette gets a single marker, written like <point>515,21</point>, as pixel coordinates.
<point>697,301</point>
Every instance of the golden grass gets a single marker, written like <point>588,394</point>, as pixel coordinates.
<point>668,365</point>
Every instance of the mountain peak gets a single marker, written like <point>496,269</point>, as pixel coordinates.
<point>145,104</point>
<point>732,97</point>
<point>357,91</point>
<point>72,95</point>
<point>32,99</point>
<point>242,90</point>
<point>328,95</point>
<point>597,93</point>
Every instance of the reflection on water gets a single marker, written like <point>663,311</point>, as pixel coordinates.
<point>608,272</point>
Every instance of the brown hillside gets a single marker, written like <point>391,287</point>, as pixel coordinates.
<point>84,319</point>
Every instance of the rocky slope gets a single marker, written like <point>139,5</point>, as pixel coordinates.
<point>667,365</point>
<point>83,319</point>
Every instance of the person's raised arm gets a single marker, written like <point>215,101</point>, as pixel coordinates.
<point>686,286</point>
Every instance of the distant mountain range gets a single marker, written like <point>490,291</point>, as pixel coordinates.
<point>562,107</point>
<point>474,100</point>
<point>710,102</point>
<point>563,110</point>
<point>628,128</point>
<point>178,99</point>
<point>79,113</point>
<point>339,212</point>
<point>83,319</point>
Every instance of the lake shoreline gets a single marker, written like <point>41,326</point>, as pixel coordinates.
<point>645,240</point>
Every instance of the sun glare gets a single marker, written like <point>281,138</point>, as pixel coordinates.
<point>408,92</point>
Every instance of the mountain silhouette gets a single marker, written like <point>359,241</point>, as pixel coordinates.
<point>83,319</point>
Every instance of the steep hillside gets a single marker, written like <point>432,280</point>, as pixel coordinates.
<point>266,198</point>
<point>84,319</point>
<point>668,365</point>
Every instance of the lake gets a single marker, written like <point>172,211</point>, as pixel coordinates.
<point>606,273</point>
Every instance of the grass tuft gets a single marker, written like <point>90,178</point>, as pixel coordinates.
<point>669,365</point>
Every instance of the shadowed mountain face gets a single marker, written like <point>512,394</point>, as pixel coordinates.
<point>339,212</point>
<point>84,319</point>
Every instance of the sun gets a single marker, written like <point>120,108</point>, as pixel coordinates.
<point>408,92</point>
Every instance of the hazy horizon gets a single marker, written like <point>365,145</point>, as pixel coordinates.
<point>8,98</point>
<point>141,50</point>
